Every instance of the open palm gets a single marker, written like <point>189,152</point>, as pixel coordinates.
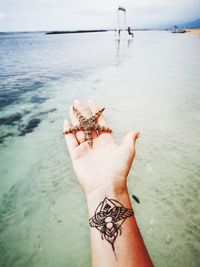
<point>106,162</point>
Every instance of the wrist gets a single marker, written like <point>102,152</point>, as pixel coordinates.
<point>114,188</point>
<point>110,191</point>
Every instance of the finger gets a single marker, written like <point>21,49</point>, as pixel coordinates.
<point>69,138</point>
<point>80,135</point>
<point>127,149</point>
<point>81,108</point>
<point>128,143</point>
<point>94,108</point>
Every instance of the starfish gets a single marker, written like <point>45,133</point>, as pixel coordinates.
<point>88,125</point>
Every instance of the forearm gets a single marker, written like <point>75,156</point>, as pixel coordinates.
<point>126,248</point>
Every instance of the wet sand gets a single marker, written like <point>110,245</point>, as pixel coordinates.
<point>195,31</point>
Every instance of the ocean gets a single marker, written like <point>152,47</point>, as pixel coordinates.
<point>151,84</point>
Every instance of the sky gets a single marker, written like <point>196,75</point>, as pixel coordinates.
<point>31,15</point>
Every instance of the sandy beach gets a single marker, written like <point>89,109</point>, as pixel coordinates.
<point>195,31</point>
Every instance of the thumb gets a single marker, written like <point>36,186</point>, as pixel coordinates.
<point>129,141</point>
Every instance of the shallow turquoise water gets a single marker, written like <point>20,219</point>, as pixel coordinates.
<point>150,84</point>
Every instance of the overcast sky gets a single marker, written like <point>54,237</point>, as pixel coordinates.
<point>23,15</point>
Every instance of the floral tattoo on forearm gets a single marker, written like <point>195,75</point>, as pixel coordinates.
<point>108,218</point>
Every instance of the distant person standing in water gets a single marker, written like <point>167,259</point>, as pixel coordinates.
<point>129,32</point>
<point>119,31</point>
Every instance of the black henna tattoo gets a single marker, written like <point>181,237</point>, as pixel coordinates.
<point>108,218</point>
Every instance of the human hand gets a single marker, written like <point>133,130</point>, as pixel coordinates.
<point>106,164</point>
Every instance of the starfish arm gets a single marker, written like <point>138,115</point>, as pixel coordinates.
<point>88,135</point>
<point>97,114</point>
<point>80,117</point>
<point>77,128</point>
<point>96,126</point>
<point>104,129</point>
<point>73,129</point>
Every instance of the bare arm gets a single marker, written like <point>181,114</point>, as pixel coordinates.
<point>128,247</point>
<point>102,172</point>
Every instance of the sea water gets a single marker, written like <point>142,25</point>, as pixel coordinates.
<point>151,84</point>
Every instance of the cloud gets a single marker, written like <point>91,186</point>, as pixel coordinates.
<point>79,14</point>
<point>2,15</point>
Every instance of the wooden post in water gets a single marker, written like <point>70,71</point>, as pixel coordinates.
<point>118,21</point>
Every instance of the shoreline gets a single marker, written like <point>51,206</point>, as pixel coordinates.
<point>195,31</point>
